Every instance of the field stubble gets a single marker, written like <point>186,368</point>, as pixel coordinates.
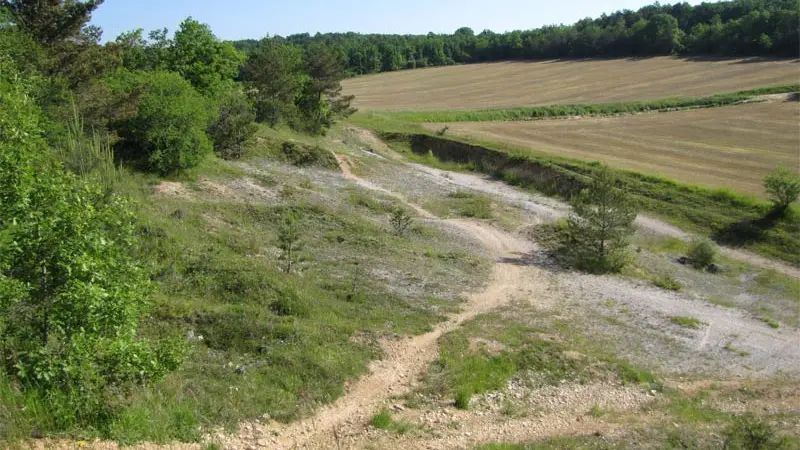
<point>509,84</point>
<point>731,147</point>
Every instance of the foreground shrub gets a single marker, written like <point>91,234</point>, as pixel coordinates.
<point>702,253</point>
<point>234,126</point>
<point>71,294</point>
<point>168,130</point>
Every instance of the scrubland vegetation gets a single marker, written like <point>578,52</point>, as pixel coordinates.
<point>180,253</point>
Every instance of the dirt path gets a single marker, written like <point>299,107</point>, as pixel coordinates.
<point>548,209</point>
<point>406,359</point>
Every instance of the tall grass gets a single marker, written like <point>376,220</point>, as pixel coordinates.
<point>601,109</point>
<point>89,157</point>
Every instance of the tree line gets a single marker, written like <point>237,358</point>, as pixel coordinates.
<point>731,28</point>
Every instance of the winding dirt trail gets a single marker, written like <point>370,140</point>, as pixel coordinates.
<point>405,359</point>
<point>342,424</point>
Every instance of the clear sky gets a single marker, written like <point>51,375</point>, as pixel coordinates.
<point>240,19</point>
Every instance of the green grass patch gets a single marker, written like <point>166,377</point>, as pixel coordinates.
<point>384,421</point>
<point>772,323</point>
<point>462,204</point>
<point>694,409</point>
<point>555,111</point>
<point>731,348</point>
<point>667,282</point>
<point>686,322</point>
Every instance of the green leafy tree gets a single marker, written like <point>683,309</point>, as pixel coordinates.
<point>783,187</point>
<point>235,124</point>
<point>201,58</point>
<point>168,129</point>
<point>597,232</point>
<point>51,21</point>
<point>662,35</point>
<point>71,294</point>
<point>274,76</point>
<point>321,101</point>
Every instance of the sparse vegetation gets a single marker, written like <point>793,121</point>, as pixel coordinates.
<point>686,322</point>
<point>667,282</point>
<point>401,222</point>
<point>462,204</point>
<point>384,421</point>
<point>731,348</point>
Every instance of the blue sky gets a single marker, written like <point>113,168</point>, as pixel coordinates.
<point>238,19</point>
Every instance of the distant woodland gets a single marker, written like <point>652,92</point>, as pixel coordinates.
<point>735,28</point>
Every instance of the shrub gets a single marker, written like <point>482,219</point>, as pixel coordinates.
<point>463,398</point>
<point>71,293</point>
<point>747,432</point>
<point>306,155</point>
<point>702,253</point>
<point>783,187</point>
<point>401,222</point>
<point>169,127</point>
<point>234,126</point>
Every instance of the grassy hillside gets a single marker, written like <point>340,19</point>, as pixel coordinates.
<point>262,340</point>
<point>562,82</point>
<point>731,218</point>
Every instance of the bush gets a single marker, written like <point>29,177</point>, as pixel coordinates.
<point>702,253</point>
<point>401,222</point>
<point>169,127</point>
<point>747,432</point>
<point>305,155</point>
<point>463,398</point>
<point>71,293</point>
<point>234,126</point>
<point>783,187</point>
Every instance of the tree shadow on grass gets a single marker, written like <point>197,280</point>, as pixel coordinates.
<point>749,231</point>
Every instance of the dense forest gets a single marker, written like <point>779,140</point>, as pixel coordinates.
<point>735,28</point>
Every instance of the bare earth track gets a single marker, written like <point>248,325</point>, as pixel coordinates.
<point>508,84</point>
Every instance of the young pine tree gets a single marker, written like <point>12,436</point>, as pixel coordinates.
<point>289,240</point>
<point>596,237</point>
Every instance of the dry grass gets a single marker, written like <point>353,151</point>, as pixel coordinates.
<point>731,147</point>
<point>507,84</point>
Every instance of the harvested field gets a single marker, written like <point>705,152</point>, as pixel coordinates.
<point>509,84</point>
<point>731,147</point>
